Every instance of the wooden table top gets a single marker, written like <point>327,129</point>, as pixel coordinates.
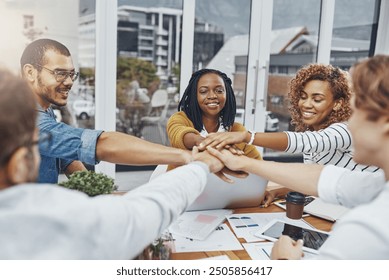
<point>242,254</point>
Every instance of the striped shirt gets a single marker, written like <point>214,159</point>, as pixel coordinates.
<point>332,145</point>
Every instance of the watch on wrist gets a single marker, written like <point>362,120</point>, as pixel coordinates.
<point>252,137</point>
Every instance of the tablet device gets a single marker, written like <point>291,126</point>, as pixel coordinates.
<point>313,238</point>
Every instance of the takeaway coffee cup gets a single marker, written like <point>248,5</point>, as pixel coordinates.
<point>295,205</point>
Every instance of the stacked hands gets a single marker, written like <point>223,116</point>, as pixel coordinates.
<point>222,146</point>
<point>223,157</point>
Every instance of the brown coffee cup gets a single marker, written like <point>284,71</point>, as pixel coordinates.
<point>295,205</point>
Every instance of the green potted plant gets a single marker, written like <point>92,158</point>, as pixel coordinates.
<point>160,249</point>
<point>90,182</point>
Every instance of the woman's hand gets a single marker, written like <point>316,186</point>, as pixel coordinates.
<point>231,161</point>
<point>287,249</point>
<point>219,140</point>
<point>216,166</point>
<point>268,198</point>
<point>271,195</point>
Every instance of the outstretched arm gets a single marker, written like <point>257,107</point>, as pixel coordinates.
<point>297,176</point>
<point>181,132</point>
<point>273,140</point>
<point>120,148</point>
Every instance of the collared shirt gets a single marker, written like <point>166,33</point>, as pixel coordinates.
<point>67,144</point>
<point>41,221</point>
<point>204,132</point>
<point>363,232</point>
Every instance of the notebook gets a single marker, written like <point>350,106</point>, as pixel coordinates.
<point>317,207</point>
<point>328,211</point>
<point>218,194</point>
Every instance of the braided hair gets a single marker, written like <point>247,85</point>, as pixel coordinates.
<point>190,106</point>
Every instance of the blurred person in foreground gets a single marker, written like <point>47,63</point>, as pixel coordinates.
<point>43,221</point>
<point>363,233</point>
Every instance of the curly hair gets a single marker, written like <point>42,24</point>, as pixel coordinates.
<point>371,86</point>
<point>191,107</point>
<point>339,85</point>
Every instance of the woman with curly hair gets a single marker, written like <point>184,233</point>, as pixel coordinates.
<point>321,88</point>
<point>320,107</point>
<point>207,106</point>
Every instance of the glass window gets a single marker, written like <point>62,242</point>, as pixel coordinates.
<point>294,44</point>
<point>221,40</point>
<point>355,24</point>
<point>148,67</point>
<point>28,21</point>
<point>83,105</point>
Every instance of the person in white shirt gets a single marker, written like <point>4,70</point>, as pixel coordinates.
<point>363,233</point>
<point>43,221</point>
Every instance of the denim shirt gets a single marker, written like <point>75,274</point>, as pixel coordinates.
<point>67,144</point>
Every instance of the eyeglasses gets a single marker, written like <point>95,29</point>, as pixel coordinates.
<point>61,75</point>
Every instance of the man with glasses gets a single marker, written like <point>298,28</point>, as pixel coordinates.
<point>51,87</point>
<point>48,68</point>
<point>42,221</point>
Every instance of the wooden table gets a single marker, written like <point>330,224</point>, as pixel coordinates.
<point>242,254</point>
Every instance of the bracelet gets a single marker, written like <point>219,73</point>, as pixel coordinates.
<point>252,137</point>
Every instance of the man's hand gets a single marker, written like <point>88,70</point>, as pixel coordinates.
<point>232,162</point>
<point>214,164</point>
<point>287,249</point>
<point>219,140</point>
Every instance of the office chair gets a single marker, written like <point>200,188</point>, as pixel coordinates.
<point>155,122</point>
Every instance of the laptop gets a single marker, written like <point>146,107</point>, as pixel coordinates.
<point>218,194</point>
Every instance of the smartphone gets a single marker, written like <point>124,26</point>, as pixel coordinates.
<point>313,238</point>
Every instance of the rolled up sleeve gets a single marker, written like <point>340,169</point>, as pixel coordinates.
<point>87,151</point>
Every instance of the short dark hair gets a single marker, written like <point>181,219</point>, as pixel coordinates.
<point>17,114</point>
<point>34,53</point>
<point>190,106</point>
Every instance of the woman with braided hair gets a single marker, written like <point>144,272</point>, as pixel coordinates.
<point>207,106</point>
